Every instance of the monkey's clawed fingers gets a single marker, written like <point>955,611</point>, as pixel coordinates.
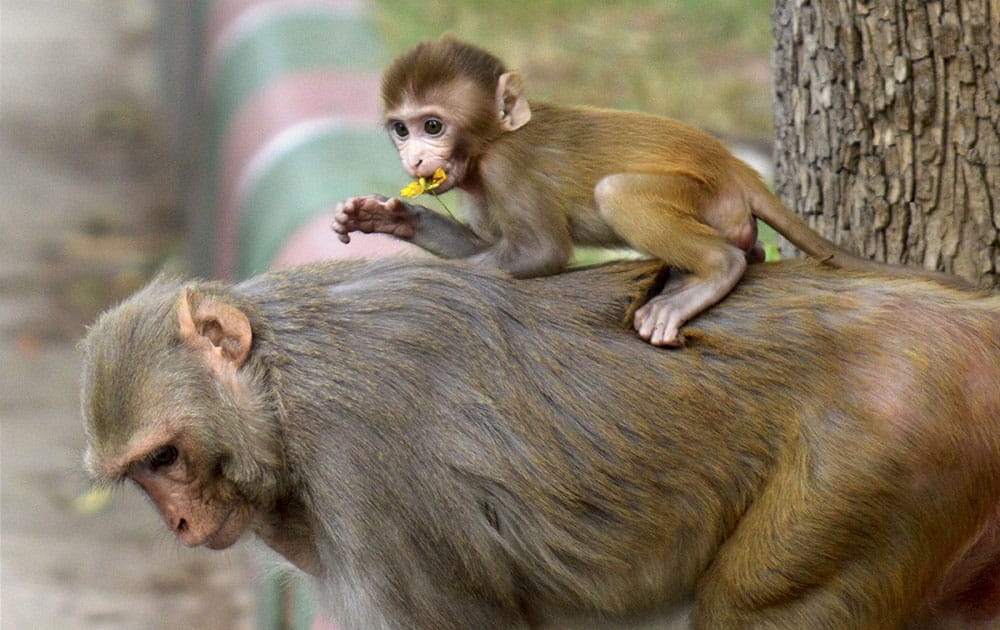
<point>373,213</point>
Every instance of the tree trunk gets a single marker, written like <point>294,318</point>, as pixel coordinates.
<point>888,127</point>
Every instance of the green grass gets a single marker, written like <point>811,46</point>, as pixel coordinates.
<point>702,61</point>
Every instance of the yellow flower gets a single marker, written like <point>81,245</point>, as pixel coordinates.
<point>437,179</point>
<point>421,186</point>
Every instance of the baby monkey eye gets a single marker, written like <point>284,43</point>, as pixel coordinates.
<point>163,457</point>
<point>433,126</point>
<point>400,130</point>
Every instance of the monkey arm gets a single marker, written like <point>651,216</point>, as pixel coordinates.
<point>534,242</point>
<point>534,237</point>
<point>442,235</point>
<point>436,233</point>
<point>527,257</point>
<point>524,250</point>
<point>528,214</point>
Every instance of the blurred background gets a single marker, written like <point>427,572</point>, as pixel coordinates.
<point>213,137</point>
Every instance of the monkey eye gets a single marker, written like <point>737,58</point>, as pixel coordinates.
<point>399,130</point>
<point>433,126</point>
<point>162,457</point>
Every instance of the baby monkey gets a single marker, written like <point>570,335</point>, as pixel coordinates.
<point>542,177</point>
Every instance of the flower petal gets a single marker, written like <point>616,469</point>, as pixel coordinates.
<point>421,186</point>
<point>412,190</point>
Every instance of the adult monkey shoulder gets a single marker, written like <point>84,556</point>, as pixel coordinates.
<point>541,177</point>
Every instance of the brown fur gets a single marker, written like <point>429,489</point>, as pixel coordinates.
<point>434,64</point>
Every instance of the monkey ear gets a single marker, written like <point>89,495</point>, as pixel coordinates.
<point>220,332</point>
<point>513,106</point>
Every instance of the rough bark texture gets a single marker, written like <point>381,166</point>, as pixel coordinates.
<point>888,127</point>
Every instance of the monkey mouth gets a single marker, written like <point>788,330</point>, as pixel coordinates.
<point>229,531</point>
<point>445,186</point>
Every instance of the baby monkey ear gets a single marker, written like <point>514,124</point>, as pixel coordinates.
<point>513,106</point>
<point>219,332</point>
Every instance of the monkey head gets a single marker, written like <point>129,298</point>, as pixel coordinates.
<point>171,401</point>
<point>444,102</point>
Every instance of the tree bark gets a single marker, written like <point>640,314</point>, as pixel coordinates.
<point>888,127</point>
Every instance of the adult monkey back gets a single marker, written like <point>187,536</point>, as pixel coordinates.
<point>542,177</point>
<point>445,447</point>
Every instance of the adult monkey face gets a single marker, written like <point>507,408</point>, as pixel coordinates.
<point>178,425</point>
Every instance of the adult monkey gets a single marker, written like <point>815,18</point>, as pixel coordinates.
<point>413,434</point>
<point>543,177</point>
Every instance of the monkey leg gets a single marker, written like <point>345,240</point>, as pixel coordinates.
<point>660,214</point>
<point>827,546</point>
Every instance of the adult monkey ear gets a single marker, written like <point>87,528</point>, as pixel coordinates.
<point>219,332</point>
<point>513,106</point>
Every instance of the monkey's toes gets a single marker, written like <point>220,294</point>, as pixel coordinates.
<point>658,325</point>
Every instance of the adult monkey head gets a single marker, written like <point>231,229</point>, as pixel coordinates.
<point>188,415</point>
<point>436,107</point>
<point>544,177</point>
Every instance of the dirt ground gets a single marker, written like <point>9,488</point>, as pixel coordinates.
<point>85,212</point>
